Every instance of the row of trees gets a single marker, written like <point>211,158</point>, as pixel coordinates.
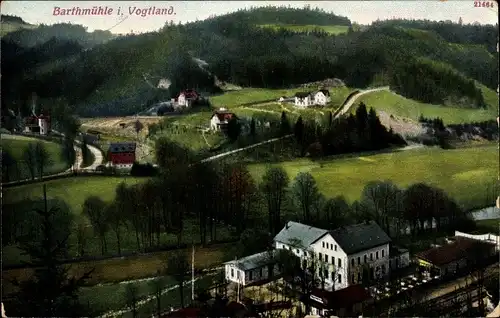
<point>360,132</point>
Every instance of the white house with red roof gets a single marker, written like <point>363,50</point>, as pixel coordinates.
<point>220,119</point>
<point>38,124</point>
<point>187,97</point>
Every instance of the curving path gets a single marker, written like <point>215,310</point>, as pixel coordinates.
<point>348,104</point>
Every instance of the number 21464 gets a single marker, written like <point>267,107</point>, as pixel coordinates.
<point>483,4</point>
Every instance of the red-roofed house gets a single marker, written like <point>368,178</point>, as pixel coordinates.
<point>220,119</point>
<point>344,302</point>
<point>187,97</point>
<point>38,124</point>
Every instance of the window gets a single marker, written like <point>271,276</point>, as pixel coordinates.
<point>250,275</point>
<point>335,247</point>
<point>326,245</point>
<point>371,256</point>
<point>326,258</point>
<point>340,262</point>
<point>376,255</point>
<point>333,260</point>
<point>320,256</point>
<point>352,261</point>
<point>331,247</point>
<point>333,276</point>
<point>365,258</point>
<point>297,251</point>
<point>323,244</point>
<point>383,253</point>
<point>232,272</point>
<point>260,272</point>
<point>326,274</point>
<point>359,260</point>
<point>339,278</point>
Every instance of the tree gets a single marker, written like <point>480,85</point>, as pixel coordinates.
<point>336,212</point>
<point>284,124</point>
<point>299,130</point>
<point>60,290</point>
<point>157,285</point>
<point>178,267</point>
<point>86,154</point>
<point>93,208</point>
<point>7,163</point>
<point>380,198</point>
<point>252,128</point>
<point>30,159</point>
<point>138,126</point>
<point>42,157</point>
<point>233,129</point>
<point>305,191</point>
<point>132,297</point>
<point>68,153</point>
<point>82,234</point>
<point>273,186</point>
<point>115,219</point>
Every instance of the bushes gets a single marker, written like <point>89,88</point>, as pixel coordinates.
<point>143,170</point>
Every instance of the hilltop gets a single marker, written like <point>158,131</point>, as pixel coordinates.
<point>119,75</point>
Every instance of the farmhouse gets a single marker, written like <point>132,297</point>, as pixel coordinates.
<point>122,155</point>
<point>454,257</point>
<point>220,119</point>
<point>343,253</point>
<point>322,97</point>
<point>187,97</point>
<point>303,99</point>
<point>251,269</point>
<point>38,124</point>
<point>347,302</point>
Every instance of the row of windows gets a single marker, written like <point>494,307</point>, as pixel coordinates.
<point>330,246</point>
<point>371,274</point>
<point>325,259</point>
<point>365,257</point>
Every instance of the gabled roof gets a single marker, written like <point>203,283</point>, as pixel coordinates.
<point>189,93</point>
<point>122,147</point>
<point>224,115</point>
<point>324,91</point>
<point>297,231</point>
<point>255,260</point>
<point>463,247</point>
<point>302,94</point>
<point>360,237</point>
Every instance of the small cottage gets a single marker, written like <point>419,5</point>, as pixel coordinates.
<point>322,97</point>
<point>122,154</point>
<point>252,268</point>
<point>303,99</point>
<point>220,119</point>
<point>187,97</point>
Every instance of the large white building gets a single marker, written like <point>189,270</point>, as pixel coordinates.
<point>342,254</point>
<point>306,99</point>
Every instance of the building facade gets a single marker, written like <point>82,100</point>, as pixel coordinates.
<point>220,119</point>
<point>343,256</point>
<point>322,97</point>
<point>252,269</point>
<point>122,155</point>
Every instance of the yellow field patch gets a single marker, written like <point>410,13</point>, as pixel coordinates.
<point>366,159</point>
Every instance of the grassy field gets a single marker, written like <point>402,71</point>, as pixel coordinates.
<point>248,95</point>
<point>465,174</point>
<point>332,29</point>
<point>401,106</point>
<point>133,267</point>
<point>16,145</point>
<point>488,226</point>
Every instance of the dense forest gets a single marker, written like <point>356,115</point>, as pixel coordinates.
<point>109,79</point>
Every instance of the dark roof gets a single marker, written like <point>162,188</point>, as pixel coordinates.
<point>122,147</point>
<point>360,237</point>
<point>462,247</point>
<point>184,312</point>
<point>297,231</point>
<point>342,298</point>
<point>302,94</point>
<point>224,115</point>
<point>325,91</point>
<point>255,260</point>
<point>189,93</point>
